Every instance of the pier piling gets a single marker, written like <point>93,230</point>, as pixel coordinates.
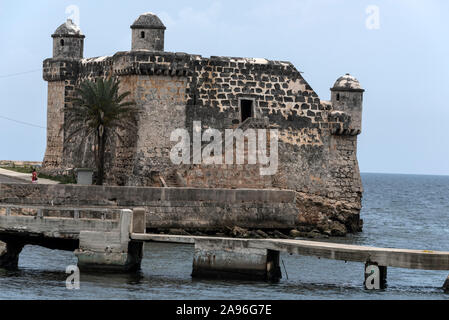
<point>232,259</point>
<point>375,276</point>
<point>446,285</point>
<point>9,254</point>
<point>111,251</point>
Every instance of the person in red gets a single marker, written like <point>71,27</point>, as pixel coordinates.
<point>34,176</point>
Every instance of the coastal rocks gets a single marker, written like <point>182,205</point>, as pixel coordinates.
<point>337,229</point>
<point>262,234</point>
<point>179,232</point>
<point>330,217</point>
<point>238,232</point>
<point>199,234</point>
<point>280,235</point>
<point>255,235</point>
<point>313,234</point>
<point>316,234</point>
<point>296,234</point>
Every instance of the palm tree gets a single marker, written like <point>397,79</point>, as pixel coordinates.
<point>99,112</point>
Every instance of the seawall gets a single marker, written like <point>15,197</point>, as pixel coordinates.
<point>186,208</point>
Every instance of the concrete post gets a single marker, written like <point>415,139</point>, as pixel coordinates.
<point>139,223</point>
<point>375,276</point>
<point>110,251</point>
<point>9,255</point>
<point>446,285</point>
<point>231,259</point>
<point>84,176</point>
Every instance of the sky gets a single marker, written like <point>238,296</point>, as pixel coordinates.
<point>397,49</point>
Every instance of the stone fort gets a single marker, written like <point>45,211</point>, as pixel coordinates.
<point>317,138</point>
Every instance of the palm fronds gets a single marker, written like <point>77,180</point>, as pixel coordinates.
<point>99,112</point>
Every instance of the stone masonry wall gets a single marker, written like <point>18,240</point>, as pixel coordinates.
<point>55,119</point>
<point>161,101</point>
<point>317,158</point>
<point>166,208</point>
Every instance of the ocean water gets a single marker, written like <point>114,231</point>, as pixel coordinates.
<point>403,211</point>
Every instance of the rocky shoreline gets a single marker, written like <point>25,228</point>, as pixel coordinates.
<point>238,232</point>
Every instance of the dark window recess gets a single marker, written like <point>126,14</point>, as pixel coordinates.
<point>246,109</point>
<point>338,97</point>
<point>62,42</point>
<point>142,34</point>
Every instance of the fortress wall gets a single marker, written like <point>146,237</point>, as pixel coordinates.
<point>174,89</point>
<point>320,166</point>
<point>344,168</point>
<point>161,101</point>
<point>226,176</point>
<point>120,163</point>
<point>279,91</point>
<point>198,209</point>
<point>55,119</point>
<point>283,96</point>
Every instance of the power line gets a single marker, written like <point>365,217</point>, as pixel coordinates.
<point>18,74</point>
<point>24,123</point>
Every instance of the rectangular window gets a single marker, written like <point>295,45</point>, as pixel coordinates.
<point>246,109</point>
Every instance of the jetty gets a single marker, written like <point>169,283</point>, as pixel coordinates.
<point>105,239</point>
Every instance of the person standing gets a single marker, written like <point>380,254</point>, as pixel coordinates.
<point>34,176</point>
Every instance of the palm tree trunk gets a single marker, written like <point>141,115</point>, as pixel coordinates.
<point>101,158</point>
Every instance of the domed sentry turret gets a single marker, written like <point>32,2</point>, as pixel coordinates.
<point>347,96</point>
<point>68,41</point>
<point>148,33</point>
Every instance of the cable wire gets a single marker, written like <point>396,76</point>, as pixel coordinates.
<point>18,74</point>
<point>23,122</point>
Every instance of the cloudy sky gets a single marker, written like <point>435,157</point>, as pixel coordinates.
<point>401,59</point>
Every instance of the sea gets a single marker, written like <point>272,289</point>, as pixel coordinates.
<point>399,211</point>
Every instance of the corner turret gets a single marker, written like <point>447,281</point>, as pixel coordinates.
<point>148,33</point>
<point>347,98</point>
<point>68,41</point>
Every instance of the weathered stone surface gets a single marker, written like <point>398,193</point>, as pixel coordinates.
<point>170,208</point>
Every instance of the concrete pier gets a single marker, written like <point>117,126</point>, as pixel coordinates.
<point>218,257</point>
<point>232,259</point>
<point>9,254</point>
<point>446,285</point>
<point>106,239</point>
<point>111,251</point>
<point>100,237</point>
